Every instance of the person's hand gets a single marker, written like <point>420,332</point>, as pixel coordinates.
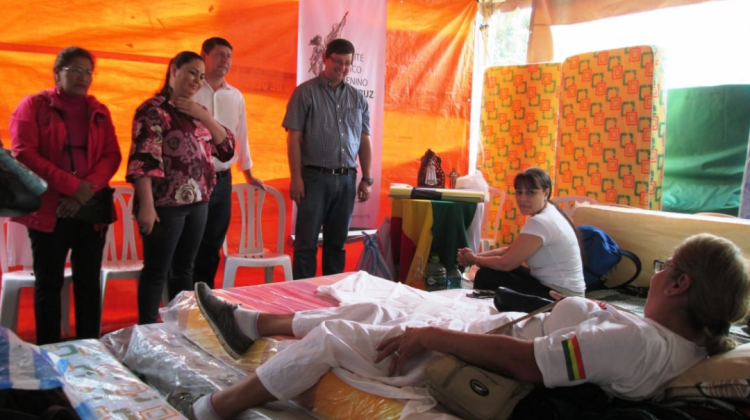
<point>556,295</point>
<point>297,190</point>
<point>401,348</point>
<point>466,257</point>
<point>146,218</point>
<point>363,192</point>
<point>67,207</point>
<point>256,183</point>
<point>192,108</point>
<point>84,192</point>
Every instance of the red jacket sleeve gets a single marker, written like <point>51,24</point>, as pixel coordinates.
<point>25,138</point>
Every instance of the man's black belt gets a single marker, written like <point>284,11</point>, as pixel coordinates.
<point>333,171</point>
<point>222,174</point>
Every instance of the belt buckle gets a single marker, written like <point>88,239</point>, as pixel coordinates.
<point>338,171</point>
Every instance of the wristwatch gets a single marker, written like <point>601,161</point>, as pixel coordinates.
<point>369,181</point>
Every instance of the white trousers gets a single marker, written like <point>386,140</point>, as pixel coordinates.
<point>344,339</point>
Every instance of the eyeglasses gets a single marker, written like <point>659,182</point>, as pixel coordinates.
<point>340,62</point>
<point>660,265</point>
<point>79,71</point>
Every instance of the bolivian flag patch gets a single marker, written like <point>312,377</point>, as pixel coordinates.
<point>573,359</point>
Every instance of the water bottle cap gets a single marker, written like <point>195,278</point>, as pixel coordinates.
<point>434,258</point>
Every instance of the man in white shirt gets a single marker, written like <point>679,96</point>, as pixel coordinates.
<point>227,105</point>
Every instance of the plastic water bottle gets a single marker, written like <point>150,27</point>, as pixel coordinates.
<point>466,282</point>
<point>418,275</point>
<point>435,277</point>
<point>454,278</point>
<point>467,278</point>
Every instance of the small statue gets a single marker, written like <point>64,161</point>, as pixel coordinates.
<point>431,173</point>
<point>431,177</point>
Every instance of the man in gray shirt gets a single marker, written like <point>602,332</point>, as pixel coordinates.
<point>328,125</point>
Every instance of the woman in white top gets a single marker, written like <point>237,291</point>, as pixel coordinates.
<point>548,244</point>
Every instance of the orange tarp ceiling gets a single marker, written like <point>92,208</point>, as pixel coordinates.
<point>429,59</point>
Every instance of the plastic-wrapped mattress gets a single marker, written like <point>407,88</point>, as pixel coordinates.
<point>108,389</point>
<point>184,351</point>
<point>163,358</point>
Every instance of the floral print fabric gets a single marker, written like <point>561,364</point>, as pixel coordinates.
<point>174,150</point>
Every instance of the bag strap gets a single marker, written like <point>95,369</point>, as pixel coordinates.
<point>636,261</point>
<point>68,142</point>
<point>544,308</point>
<point>70,149</point>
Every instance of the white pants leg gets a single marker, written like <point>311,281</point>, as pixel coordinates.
<point>340,337</point>
<point>363,313</point>
<point>345,337</point>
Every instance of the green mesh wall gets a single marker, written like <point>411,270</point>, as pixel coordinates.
<point>706,149</point>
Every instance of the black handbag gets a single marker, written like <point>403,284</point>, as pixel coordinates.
<point>99,210</point>
<point>508,300</point>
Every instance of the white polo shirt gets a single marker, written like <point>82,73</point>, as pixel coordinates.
<point>227,105</point>
<point>626,355</point>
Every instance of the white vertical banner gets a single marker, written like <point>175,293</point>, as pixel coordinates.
<point>363,22</point>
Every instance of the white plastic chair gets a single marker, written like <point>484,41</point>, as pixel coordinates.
<point>251,252</point>
<point>17,251</point>
<point>489,231</point>
<point>569,203</point>
<point>120,260</point>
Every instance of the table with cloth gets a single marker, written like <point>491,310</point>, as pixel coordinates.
<point>423,227</point>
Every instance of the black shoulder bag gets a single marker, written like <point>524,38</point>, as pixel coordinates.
<point>100,208</point>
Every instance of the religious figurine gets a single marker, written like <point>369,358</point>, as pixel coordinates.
<point>431,173</point>
<point>453,176</point>
<point>431,177</point>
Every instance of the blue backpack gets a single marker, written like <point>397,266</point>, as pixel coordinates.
<point>602,255</point>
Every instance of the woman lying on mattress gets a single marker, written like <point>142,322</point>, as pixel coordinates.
<point>548,243</point>
<point>693,298</point>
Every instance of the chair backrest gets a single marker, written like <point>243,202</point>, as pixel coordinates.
<point>123,198</point>
<point>3,247</point>
<point>15,246</point>
<point>18,246</point>
<point>251,199</point>
<point>491,226</point>
<point>568,202</point>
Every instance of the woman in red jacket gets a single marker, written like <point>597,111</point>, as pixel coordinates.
<point>67,138</point>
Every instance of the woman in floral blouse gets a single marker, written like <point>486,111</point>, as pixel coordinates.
<point>171,170</point>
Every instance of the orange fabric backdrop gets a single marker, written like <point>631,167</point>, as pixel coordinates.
<point>429,57</point>
<point>428,73</point>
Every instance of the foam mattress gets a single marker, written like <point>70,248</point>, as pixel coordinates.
<point>652,234</point>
